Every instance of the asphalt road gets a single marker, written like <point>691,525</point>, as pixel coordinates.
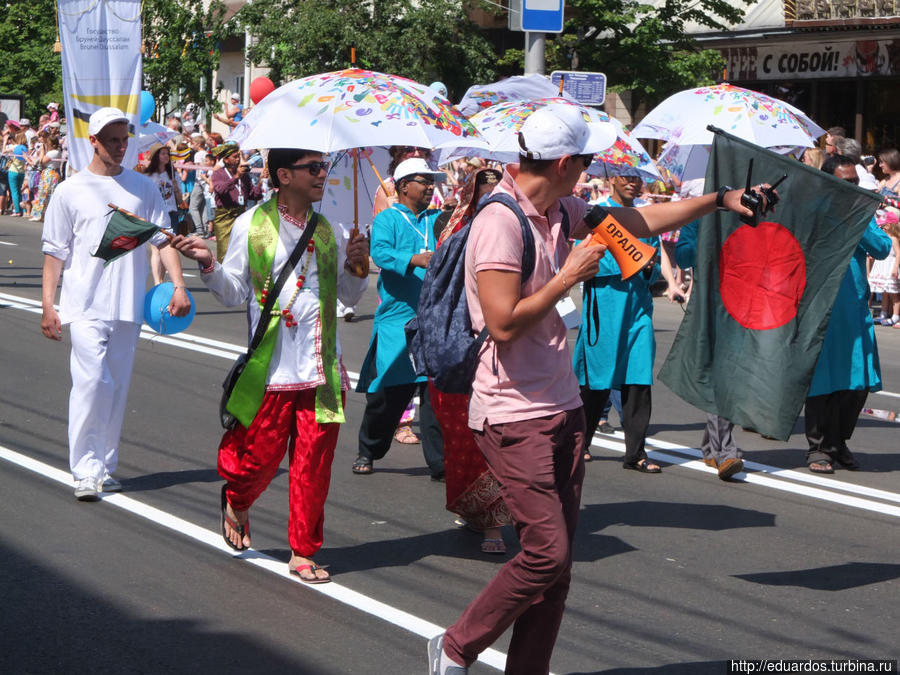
<point>674,573</point>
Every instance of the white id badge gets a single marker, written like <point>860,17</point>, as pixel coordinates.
<point>240,198</point>
<point>569,313</point>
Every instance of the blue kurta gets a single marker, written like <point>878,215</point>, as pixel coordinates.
<point>397,235</point>
<point>616,346</point>
<point>849,356</point>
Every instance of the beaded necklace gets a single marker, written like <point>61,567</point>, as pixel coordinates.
<point>285,313</point>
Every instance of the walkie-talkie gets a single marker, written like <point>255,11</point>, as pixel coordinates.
<point>752,200</point>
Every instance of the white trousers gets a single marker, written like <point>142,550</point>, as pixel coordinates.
<point>101,363</point>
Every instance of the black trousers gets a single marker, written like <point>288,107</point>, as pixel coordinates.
<point>636,408</point>
<point>830,421</point>
<point>383,412</point>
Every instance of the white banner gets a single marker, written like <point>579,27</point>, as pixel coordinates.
<point>813,60</point>
<point>101,63</point>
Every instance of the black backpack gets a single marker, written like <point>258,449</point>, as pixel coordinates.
<point>441,340</point>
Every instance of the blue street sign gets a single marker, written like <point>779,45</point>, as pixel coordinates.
<point>539,16</point>
<point>586,88</point>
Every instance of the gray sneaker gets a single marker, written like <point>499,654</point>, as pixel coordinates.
<point>435,652</point>
<point>86,490</point>
<point>110,484</point>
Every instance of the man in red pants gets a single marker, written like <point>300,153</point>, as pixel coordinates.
<point>290,395</point>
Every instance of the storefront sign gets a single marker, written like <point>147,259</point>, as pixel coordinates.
<point>813,60</point>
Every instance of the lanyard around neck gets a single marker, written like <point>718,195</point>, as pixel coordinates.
<point>412,224</point>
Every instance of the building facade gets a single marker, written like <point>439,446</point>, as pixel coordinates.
<point>837,60</point>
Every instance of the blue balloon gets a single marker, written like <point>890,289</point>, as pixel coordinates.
<point>148,106</point>
<point>156,310</point>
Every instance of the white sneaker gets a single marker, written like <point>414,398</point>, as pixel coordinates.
<point>86,490</point>
<point>110,484</point>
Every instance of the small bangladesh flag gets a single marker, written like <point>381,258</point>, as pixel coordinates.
<point>748,345</point>
<point>124,232</point>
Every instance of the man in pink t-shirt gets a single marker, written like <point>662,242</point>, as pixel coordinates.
<point>525,410</point>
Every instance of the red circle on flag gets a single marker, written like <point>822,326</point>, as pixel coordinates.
<point>762,275</point>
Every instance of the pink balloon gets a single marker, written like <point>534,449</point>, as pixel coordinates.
<point>260,88</point>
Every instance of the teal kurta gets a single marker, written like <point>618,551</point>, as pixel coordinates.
<point>849,356</point>
<point>615,344</point>
<point>397,235</point>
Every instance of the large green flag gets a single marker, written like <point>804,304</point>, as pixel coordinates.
<point>747,347</point>
<point>124,232</point>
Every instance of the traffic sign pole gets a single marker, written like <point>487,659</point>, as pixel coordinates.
<point>534,53</point>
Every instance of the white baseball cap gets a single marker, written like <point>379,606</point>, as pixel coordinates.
<point>558,130</point>
<point>52,106</point>
<point>25,122</point>
<point>417,166</point>
<point>102,117</point>
<point>235,97</point>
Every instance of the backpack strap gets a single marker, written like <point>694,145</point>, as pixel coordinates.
<point>527,235</point>
<point>566,227</point>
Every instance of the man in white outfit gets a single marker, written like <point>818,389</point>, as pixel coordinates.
<point>103,305</point>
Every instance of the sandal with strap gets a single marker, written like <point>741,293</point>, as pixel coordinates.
<point>644,466</point>
<point>312,569</point>
<point>363,466</point>
<point>493,546</point>
<point>821,466</point>
<point>405,435</point>
<point>242,530</point>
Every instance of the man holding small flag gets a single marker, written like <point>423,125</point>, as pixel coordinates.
<point>102,293</point>
<point>290,265</point>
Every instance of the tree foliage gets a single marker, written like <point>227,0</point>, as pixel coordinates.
<point>181,45</point>
<point>29,66</point>
<point>640,46</point>
<point>424,41</point>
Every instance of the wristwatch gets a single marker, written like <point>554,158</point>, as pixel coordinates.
<point>720,196</point>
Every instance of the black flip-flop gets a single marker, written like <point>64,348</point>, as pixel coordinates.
<point>642,466</point>
<point>312,568</point>
<point>243,530</point>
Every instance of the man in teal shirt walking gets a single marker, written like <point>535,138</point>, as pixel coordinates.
<point>402,245</point>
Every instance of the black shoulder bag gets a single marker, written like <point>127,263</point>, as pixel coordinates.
<point>226,418</point>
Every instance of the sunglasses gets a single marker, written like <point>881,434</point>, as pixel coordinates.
<point>422,181</point>
<point>587,160</point>
<point>412,150</point>
<point>314,168</point>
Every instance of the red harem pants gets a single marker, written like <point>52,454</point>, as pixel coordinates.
<point>249,460</point>
<point>540,468</point>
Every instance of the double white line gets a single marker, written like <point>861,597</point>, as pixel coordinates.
<point>786,480</point>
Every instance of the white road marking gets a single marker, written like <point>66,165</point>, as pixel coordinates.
<point>195,343</point>
<point>334,590</point>
<point>774,477</point>
<point>761,478</point>
<point>7,243</point>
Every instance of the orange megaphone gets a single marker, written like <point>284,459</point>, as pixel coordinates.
<point>631,253</point>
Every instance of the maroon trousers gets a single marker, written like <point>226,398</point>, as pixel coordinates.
<point>540,468</point>
<point>249,459</point>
